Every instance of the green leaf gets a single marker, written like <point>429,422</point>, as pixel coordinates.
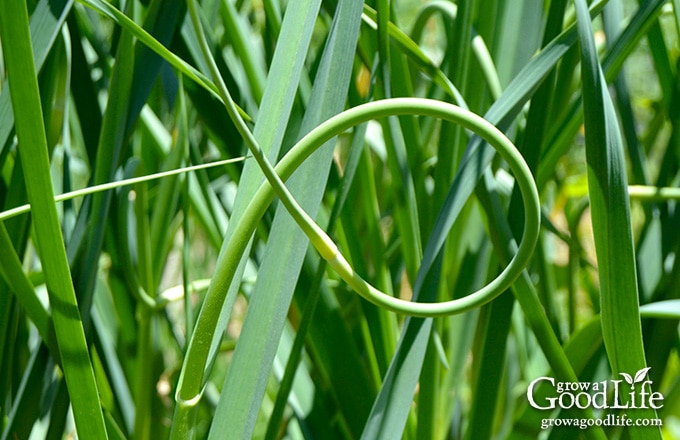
<point>251,365</point>
<point>269,132</point>
<point>45,24</point>
<point>30,130</point>
<point>610,213</point>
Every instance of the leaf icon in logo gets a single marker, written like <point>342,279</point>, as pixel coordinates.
<point>628,378</point>
<point>640,375</point>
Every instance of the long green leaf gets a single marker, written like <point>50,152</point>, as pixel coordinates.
<point>269,132</point>
<point>610,213</point>
<point>30,129</point>
<point>244,385</point>
<point>12,272</point>
<point>46,21</point>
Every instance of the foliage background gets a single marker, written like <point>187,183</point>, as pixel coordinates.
<point>285,348</point>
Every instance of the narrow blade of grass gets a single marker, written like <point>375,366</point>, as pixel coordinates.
<point>31,133</point>
<point>244,385</point>
<point>269,132</point>
<point>610,213</point>
<point>12,272</point>
<point>46,22</point>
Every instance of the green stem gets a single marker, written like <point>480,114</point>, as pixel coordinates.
<point>191,384</point>
<point>117,184</point>
<point>192,377</point>
<point>653,193</point>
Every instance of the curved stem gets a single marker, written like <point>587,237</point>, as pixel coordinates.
<point>451,113</point>
<point>192,376</point>
<point>449,12</point>
<point>190,386</point>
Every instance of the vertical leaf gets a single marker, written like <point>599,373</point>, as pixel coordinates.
<point>251,365</point>
<point>610,213</point>
<point>45,25</point>
<point>33,149</point>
